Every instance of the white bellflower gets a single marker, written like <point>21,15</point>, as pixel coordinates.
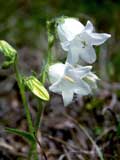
<point>67,80</point>
<point>78,40</point>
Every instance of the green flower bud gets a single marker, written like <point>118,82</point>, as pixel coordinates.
<point>36,87</point>
<point>9,52</point>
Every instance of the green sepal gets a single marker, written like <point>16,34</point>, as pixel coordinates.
<point>26,135</point>
<point>36,87</point>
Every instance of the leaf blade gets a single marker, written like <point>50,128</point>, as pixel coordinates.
<point>26,135</point>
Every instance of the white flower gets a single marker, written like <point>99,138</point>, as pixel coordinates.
<point>67,80</point>
<point>78,40</point>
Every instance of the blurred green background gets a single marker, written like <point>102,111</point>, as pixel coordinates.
<point>23,23</point>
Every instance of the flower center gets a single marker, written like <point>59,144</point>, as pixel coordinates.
<point>84,44</point>
<point>69,79</point>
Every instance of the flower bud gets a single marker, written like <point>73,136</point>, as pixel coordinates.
<point>36,87</point>
<point>9,52</point>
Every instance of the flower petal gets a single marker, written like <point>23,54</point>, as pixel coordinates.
<point>80,72</point>
<point>56,71</point>
<point>67,97</point>
<point>88,54</point>
<point>79,67</point>
<point>72,57</point>
<point>89,27</point>
<point>65,45</point>
<point>93,76</point>
<point>69,29</point>
<point>83,88</point>
<point>99,38</point>
<point>91,79</point>
<point>74,50</point>
<point>80,47</point>
<point>55,87</point>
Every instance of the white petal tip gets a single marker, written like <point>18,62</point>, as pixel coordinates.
<point>108,35</point>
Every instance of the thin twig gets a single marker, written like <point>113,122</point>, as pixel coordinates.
<point>61,157</point>
<point>66,153</point>
<point>43,152</point>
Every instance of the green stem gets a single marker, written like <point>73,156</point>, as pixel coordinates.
<point>45,70</point>
<point>22,92</point>
<point>43,79</point>
<point>39,115</point>
<point>24,100</point>
<point>33,152</point>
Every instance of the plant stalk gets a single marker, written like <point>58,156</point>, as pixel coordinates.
<point>24,100</point>
<point>43,79</point>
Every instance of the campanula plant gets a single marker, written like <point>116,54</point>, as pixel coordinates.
<point>68,77</point>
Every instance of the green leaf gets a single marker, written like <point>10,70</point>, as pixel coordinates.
<point>36,87</point>
<point>26,135</point>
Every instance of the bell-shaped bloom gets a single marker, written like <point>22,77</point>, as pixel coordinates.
<point>78,40</point>
<point>67,81</point>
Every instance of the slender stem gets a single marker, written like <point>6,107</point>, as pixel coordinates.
<point>33,152</point>
<point>39,115</point>
<point>28,115</point>
<point>22,92</point>
<point>43,79</point>
<point>45,70</point>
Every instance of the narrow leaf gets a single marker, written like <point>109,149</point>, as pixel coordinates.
<point>26,135</point>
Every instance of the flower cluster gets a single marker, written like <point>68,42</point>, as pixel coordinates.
<point>78,41</point>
